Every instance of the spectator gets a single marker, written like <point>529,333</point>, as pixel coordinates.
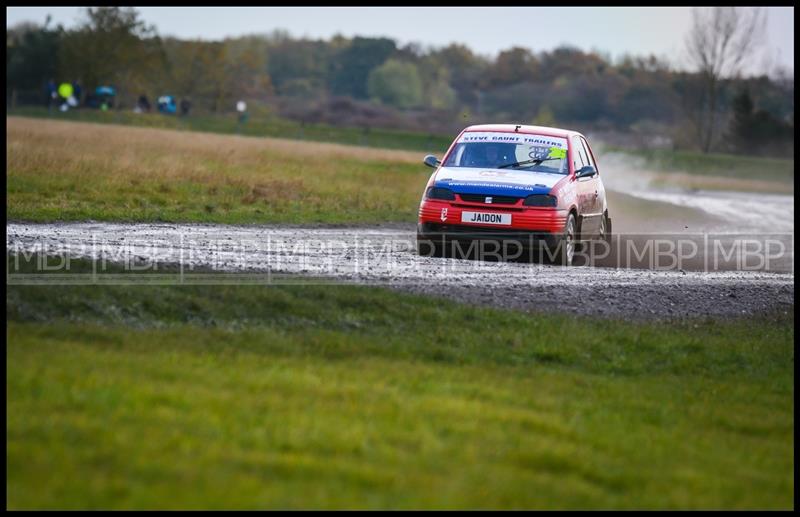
<point>241,107</point>
<point>52,93</point>
<point>166,104</point>
<point>76,92</point>
<point>143,104</point>
<point>186,105</point>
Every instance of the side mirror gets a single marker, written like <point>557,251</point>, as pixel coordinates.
<point>586,171</point>
<point>431,161</point>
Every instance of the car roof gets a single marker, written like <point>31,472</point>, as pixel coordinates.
<point>537,130</point>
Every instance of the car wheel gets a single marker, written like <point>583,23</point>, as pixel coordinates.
<point>608,228</point>
<point>605,229</point>
<point>427,247</point>
<point>565,252</point>
<point>601,234</point>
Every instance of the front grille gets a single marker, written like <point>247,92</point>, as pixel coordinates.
<point>496,200</point>
<point>493,206</point>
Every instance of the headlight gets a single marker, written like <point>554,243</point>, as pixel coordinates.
<point>540,200</point>
<point>440,193</point>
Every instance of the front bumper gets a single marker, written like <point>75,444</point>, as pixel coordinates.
<point>444,234</point>
<point>437,218</point>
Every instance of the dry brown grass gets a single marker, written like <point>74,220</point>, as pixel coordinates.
<point>133,142</point>
<point>68,170</point>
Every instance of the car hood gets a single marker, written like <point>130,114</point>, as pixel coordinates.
<point>498,182</point>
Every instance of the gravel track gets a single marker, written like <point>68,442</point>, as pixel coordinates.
<point>385,255</point>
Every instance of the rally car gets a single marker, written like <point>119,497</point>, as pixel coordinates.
<point>538,186</point>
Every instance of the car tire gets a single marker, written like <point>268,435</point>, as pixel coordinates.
<point>605,229</point>
<point>428,247</point>
<point>599,247</point>
<point>565,247</point>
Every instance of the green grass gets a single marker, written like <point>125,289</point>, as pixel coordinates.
<point>226,198</point>
<point>353,397</point>
<point>269,126</point>
<point>68,171</point>
<point>716,164</point>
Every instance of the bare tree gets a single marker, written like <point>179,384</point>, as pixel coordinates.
<point>719,44</point>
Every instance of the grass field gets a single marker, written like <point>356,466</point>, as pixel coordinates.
<point>695,170</point>
<point>60,170</point>
<point>719,165</point>
<point>269,126</point>
<point>354,397</point>
<point>748,172</point>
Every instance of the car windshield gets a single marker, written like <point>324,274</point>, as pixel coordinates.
<point>515,151</point>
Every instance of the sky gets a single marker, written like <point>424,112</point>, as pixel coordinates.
<point>614,31</point>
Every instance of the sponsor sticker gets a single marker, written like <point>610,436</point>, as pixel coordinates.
<point>487,185</point>
<point>514,138</point>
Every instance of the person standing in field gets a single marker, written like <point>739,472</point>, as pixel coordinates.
<point>52,94</point>
<point>143,105</point>
<point>76,92</point>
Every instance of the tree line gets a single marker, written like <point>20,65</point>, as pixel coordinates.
<point>437,87</point>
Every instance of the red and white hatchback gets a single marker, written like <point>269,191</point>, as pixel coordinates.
<point>538,186</point>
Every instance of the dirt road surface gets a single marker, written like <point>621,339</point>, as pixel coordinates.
<point>385,255</point>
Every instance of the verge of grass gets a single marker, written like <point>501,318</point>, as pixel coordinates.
<point>749,168</point>
<point>270,126</point>
<point>357,397</point>
<point>67,171</point>
<point>693,163</point>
